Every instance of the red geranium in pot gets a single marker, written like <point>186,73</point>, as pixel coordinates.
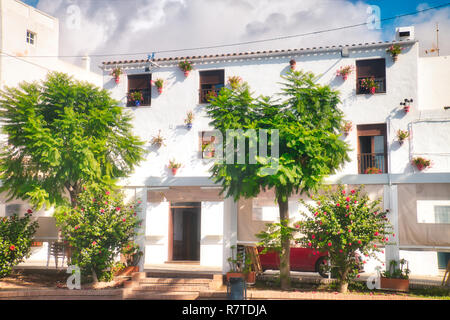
<point>174,166</point>
<point>186,67</point>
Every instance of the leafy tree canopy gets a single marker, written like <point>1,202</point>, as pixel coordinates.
<point>62,133</point>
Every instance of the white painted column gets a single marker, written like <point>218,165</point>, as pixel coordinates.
<point>211,233</point>
<point>391,203</point>
<point>141,194</point>
<point>229,230</point>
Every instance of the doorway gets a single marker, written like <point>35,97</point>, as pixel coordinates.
<point>185,231</point>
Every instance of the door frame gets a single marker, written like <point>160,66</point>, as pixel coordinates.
<point>170,235</point>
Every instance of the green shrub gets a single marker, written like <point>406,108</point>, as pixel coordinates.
<point>16,235</point>
<point>97,229</point>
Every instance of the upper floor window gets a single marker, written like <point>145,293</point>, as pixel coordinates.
<point>31,37</point>
<point>372,69</point>
<point>207,148</point>
<point>372,148</point>
<point>139,90</point>
<point>210,83</point>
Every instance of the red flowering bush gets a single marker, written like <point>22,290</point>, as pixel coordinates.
<point>97,229</point>
<point>16,236</point>
<point>344,224</point>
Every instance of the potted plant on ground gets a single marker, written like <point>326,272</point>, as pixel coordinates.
<point>136,97</point>
<point>159,83</point>
<point>116,73</point>
<point>174,166</point>
<point>240,267</point>
<point>396,278</point>
<point>132,255</point>
<point>234,82</point>
<point>189,119</point>
<point>402,135</point>
<point>369,84</point>
<point>344,71</point>
<point>186,67</point>
<point>347,127</point>
<point>372,170</point>
<point>157,140</point>
<point>421,163</point>
<point>394,50</point>
<point>292,63</point>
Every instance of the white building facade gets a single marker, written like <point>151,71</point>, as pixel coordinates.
<point>187,220</point>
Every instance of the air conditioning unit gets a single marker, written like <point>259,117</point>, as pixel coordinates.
<point>404,33</point>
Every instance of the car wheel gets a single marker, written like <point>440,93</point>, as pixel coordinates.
<point>321,267</point>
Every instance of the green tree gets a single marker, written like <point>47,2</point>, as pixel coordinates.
<point>344,223</point>
<point>16,236</point>
<point>308,121</point>
<point>63,133</point>
<point>98,229</point>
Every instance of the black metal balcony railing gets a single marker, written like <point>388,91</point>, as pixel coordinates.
<point>204,94</point>
<point>146,97</point>
<point>381,83</point>
<point>370,162</point>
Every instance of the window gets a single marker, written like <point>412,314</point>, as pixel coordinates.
<point>139,83</point>
<point>374,68</point>
<point>442,214</point>
<point>207,149</point>
<point>210,83</point>
<point>372,146</point>
<point>31,37</point>
<point>12,209</point>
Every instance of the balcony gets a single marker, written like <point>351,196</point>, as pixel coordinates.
<point>369,162</point>
<point>146,97</point>
<point>381,82</point>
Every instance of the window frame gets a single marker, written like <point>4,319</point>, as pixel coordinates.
<point>31,37</point>
<point>202,91</point>
<point>361,91</point>
<point>372,130</point>
<point>147,97</point>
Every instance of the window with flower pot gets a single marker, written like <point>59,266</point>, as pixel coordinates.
<point>372,147</point>
<point>372,69</point>
<point>206,144</point>
<point>210,84</point>
<point>139,83</point>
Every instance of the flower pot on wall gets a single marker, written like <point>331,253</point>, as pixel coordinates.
<point>406,108</point>
<point>186,73</point>
<point>117,80</point>
<point>137,103</point>
<point>372,90</point>
<point>394,284</point>
<point>189,125</point>
<point>160,90</point>
<point>174,171</point>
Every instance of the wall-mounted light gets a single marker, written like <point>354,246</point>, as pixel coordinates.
<point>406,104</point>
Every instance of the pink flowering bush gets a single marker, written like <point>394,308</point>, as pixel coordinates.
<point>97,229</point>
<point>345,223</point>
<point>16,236</point>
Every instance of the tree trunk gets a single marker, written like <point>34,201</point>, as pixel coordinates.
<point>285,267</point>
<point>343,283</point>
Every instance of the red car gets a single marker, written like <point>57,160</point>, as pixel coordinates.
<point>301,259</point>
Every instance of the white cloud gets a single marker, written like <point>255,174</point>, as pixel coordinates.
<point>154,25</point>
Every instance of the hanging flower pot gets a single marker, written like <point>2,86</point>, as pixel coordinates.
<point>189,119</point>
<point>406,108</point>
<point>347,127</point>
<point>293,64</point>
<point>159,83</point>
<point>116,73</point>
<point>402,135</point>
<point>394,51</point>
<point>344,72</point>
<point>137,103</point>
<point>372,90</point>
<point>174,166</point>
<point>185,66</point>
<point>421,163</point>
